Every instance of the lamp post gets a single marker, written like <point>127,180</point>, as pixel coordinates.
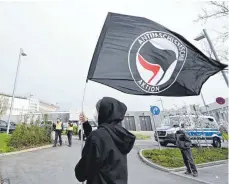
<point>205,35</point>
<point>206,107</point>
<point>21,53</point>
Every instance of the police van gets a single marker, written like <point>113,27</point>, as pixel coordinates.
<point>202,130</point>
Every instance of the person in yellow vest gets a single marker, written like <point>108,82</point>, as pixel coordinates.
<point>69,133</point>
<point>58,127</point>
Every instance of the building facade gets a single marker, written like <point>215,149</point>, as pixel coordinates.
<point>141,121</point>
<point>47,107</point>
<point>22,106</point>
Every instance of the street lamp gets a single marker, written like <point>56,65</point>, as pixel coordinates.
<point>203,35</point>
<point>21,53</point>
<point>162,104</point>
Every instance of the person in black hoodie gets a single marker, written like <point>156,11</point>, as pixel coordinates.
<point>104,156</point>
<point>184,143</point>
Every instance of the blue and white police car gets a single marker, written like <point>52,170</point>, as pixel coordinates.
<point>202,130</point>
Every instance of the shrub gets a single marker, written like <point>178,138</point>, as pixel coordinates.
<point>172,158</point>
<point>29,136</point>
<point>64,132</point>
<point>75,130</point>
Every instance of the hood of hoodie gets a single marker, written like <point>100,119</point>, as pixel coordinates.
<point>111,113</point>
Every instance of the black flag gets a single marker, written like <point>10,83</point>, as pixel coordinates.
<point>138,56</point>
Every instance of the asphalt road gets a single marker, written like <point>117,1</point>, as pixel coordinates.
<point>56,166</point>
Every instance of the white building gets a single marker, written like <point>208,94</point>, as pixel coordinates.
<point>47,107</point>
<point>25,105</point>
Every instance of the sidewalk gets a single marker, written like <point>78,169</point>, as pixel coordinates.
<point>214,174</point>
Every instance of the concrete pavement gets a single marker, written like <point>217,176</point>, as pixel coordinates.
<point>215,174</point>
<point>56,166</point>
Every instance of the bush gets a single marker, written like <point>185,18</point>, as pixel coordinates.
<point>29,136</point>
<point>75,130</point>
<point>172,158</point>
<point>64,132</point>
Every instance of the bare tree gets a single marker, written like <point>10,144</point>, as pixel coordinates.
<point>216,9</point>
<point>3,105</point>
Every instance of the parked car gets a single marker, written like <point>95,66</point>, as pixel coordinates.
<point>200,129</point>
<point>93,125</point>
<point>4,125</point>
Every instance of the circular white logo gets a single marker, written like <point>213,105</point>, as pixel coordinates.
<point>155,60</point>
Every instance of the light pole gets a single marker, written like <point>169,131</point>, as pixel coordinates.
<point>162,108</point>
<point>205,35</point>
<point>206,107</point>
<point>21,53</point>
<point>162,104</point>
<point>30,95</point>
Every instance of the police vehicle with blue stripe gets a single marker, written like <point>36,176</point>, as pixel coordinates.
<point>202,130</point>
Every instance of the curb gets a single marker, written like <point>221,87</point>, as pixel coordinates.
<point>176,170</point>
<point>25,151</point>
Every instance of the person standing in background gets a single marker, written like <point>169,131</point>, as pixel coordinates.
<point>184,143</point>
<point>69,133</point>
<point>58,127</point>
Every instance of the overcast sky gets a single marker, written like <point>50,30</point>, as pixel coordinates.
<point>59,39</point>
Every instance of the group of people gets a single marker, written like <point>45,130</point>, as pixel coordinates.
<point>104,156</point>
<point>58,127</point>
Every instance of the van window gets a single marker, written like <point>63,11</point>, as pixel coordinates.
<point>175,121</point>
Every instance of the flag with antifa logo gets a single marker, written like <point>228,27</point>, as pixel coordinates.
<point>138,56</point>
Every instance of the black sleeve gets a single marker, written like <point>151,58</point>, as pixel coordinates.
<point>87,128</point>
<point>188,141</point>
<point>89,164</point>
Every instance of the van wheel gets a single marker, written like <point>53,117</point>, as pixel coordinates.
<point>163,143</point>
<point>216,142</point>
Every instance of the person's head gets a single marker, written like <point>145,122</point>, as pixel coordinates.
<point>110,110</point>
<point>58,120</point>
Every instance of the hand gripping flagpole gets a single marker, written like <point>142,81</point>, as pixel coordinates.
<point>82,108</point>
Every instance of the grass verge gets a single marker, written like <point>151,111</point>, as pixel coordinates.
<point>172,158</point>
<point>4,139</point>
<point>142,137</point>
<point>225,136</point>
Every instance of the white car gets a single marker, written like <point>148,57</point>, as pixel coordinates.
<point>93,125</point>
<point>201,130</point>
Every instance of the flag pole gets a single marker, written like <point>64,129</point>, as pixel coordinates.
<point>214,52</point>
<point>82,108</point>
